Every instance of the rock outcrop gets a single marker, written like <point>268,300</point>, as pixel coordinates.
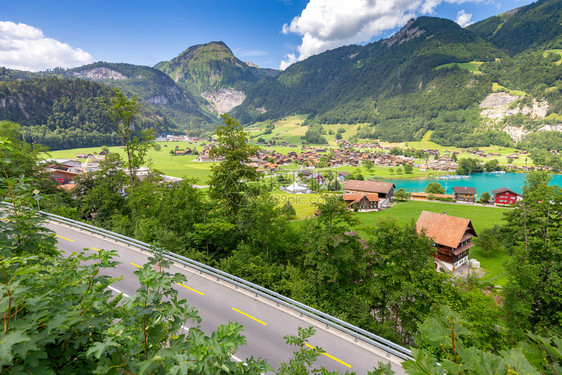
<point>100,73</point>
<point>225,99</point>
<point>498,105</point>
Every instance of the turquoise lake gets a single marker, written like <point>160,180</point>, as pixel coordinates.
<point>481,181</point>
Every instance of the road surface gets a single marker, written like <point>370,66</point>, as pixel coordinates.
<point>265,324</point>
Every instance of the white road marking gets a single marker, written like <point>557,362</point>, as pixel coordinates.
<point>118,291</point>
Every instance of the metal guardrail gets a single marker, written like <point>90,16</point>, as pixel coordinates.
<point>357,333</point>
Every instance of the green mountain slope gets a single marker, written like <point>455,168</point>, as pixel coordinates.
<point>392,84</point>
<point>65,113</point>
<point>154,87</point>
<point>519,29</point>
<point>206,69</point>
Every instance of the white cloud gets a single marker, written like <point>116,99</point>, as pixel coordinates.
<point>463,18</point>
<point>327,24</point>
<point>24,47</point>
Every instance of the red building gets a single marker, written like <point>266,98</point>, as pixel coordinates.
<point>504,196</point>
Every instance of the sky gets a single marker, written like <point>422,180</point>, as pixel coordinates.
<point>40,34</point>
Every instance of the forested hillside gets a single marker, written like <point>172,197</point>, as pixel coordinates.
<point>498,81</point>
<point>392,84</point>
<point>154,87</point>
<point>66,113</point>
<point>517,30</point>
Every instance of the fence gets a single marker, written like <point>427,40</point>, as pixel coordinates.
<point>357,333</point>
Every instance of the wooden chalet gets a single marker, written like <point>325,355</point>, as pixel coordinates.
<point>452,238</point>
<point>464,194</point>
<point>363,202</point>
<point>504,196</point>
<point>62,177</point>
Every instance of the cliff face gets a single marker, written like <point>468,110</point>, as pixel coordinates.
<point>100,73</point>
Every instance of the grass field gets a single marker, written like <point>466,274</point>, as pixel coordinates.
<point>481,217</point>
<point>473,66</point>
<point>385,172</point>
<point>291,130</point>
<point>497,87</point>
<point>177,166</point>
<point>556,52</point>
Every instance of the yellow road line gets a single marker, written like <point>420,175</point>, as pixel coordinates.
<point>249,316</point>
<point>64,238</point>
<point>193,290</point>
<point>136,265</point>
<point>94,248</point>
<point>330,356</point>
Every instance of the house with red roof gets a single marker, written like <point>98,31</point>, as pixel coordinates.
<point>504,196</point>
<point>452,238</point>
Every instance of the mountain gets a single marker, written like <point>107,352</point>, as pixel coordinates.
<point>212,73</point>
<point>402,85</point>
<point>523,28</point>
<point>152,86</point>
<point>495,81</point>
<point>64,108</point>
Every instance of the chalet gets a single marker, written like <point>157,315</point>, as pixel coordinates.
<point>464,194</point>
<point>363,202</point>
<point>63,177</point>
<point>383,189</point>
<point>504,196</point>
<point>452,238</point>
<point>102,153</point>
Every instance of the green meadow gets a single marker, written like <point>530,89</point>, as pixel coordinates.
<point>481,217</point>
<point>473,66</point>
<point>171,165</point>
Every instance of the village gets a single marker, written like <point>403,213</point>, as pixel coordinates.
<point>311,172</point>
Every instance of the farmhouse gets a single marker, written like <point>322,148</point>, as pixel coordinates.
<point>452,238</point>
<point>504,196</point>
<point>383,189</point>
<point>464,194</point>
<point>362,202</point>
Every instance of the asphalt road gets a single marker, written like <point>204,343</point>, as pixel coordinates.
<point>264,323</point>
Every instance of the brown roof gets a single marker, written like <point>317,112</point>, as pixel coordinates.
<point>503,190</point>
<point>444,229</point>
<point>369,186</point>
<point>372,197</point>
<point>464,190</point>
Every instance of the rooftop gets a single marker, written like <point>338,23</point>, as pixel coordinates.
<point>444,229</point>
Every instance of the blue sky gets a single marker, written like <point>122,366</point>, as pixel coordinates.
<point>36,35</point>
